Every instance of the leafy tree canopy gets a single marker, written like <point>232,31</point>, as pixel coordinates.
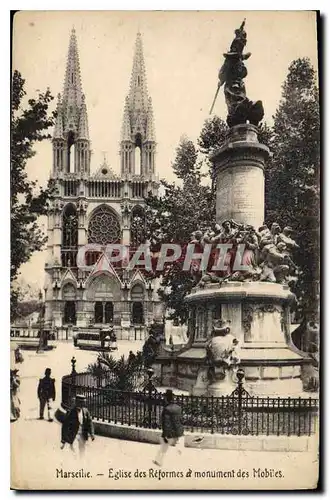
<point>292,176</point>
<point>28,200</point>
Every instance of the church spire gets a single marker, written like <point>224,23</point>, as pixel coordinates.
<point>58,129</point>
<point>72,92</point>
<point>71,136</point>
<point>83,121</point>
<point>137,127</point>
<point>126,126</point>
<point>150,130</point>
<point>138,92</point>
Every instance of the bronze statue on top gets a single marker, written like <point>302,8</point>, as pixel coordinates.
<point>231,74</point>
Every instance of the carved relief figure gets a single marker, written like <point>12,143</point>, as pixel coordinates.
<point>221,350</point>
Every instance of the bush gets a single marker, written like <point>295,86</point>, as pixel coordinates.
<point>120,374</point>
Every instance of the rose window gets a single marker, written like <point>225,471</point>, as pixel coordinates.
<point>104,227</point>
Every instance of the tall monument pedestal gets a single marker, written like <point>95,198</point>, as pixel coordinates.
<point>239,166</point>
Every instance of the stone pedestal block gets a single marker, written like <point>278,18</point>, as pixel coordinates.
<point>259,315</point>
<point>239,166</point>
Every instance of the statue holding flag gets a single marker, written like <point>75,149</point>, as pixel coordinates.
<point>231,75</point>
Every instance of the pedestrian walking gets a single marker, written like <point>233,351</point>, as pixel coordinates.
<point>15,402</point>
<point>172,428</point>
<point>46,394</point>
<point>131,357</point>
<point>77,426</point>
<point>18,355</point>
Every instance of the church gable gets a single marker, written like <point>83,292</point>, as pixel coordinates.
<point>137,278</point>
<point>69,277</point>
<point>103,266</point>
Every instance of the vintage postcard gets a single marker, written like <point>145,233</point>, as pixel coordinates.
<point>165,250</point>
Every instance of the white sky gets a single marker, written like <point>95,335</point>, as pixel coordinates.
<point>183,52</point>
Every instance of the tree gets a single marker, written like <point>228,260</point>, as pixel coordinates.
<point>213,135</point>
<point>28,200</point>
<point>185,163</point>
<point>120,374</point>
<point>292,177</point>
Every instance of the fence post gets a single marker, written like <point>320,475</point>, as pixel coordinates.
<point>73,378</point>
<point>150,387</point>
<point>240,375</point>
<point>99,373</point>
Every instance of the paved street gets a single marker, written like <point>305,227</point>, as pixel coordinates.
<point>38,463</point>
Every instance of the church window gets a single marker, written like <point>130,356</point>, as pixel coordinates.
<point>69,236</point>
<point>71,153</point>
<point>137,160</point>
<point>91,258</point>
<point>104,227</point>
<point>138,226</point>
<point>138,154</point>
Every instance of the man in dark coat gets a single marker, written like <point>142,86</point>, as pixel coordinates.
<point>171,426</point>
<point>46,394</point>
<point>77,426</point>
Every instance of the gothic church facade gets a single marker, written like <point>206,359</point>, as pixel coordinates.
<point>99,208</point>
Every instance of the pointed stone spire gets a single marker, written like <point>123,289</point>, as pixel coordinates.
<point>138,127</point>
<point>58,129</point>
<point>83,121</point>
<point>72,122</point>
<point>150,132</point>
<point>138,93</point>
<point>72,93</point>
<point>126,127</point>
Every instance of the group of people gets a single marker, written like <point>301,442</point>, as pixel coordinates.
<point>108,334</point>
<point>77,426</point>
<point>266,253</point>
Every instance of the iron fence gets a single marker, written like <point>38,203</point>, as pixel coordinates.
<point>236,414</point>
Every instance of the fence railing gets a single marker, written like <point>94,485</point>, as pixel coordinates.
<point>236,414</point>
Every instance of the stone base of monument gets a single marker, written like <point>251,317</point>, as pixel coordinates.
<point>259,315</point>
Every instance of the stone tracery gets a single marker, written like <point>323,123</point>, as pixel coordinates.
<point>104,227</point>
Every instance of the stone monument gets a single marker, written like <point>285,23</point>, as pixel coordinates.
<point>253,302</point>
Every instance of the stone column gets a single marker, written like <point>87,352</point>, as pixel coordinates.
<point>239,166</point>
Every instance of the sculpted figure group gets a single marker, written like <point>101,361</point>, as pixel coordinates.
<point>265,254</point>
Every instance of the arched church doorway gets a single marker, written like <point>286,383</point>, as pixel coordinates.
<point>98,312</point>
<point>104,292</point>
<point>137,298</point>
<point>70,313</point>
<point>103,312</point>
<point>108,312</point>
<point>137,313</point>
<point>69,297</point>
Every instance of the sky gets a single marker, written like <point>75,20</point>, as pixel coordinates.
<point>183,52</point>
